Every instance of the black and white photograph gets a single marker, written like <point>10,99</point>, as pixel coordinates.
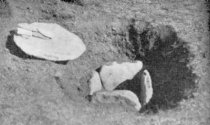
<point>104,62</point>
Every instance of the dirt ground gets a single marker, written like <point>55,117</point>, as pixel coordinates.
<point>40,92</point>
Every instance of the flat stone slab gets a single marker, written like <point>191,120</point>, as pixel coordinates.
<point>48,41</point>
<point>124,97</point>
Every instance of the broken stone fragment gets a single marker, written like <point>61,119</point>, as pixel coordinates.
<point>24,32</point>
<point>146,87</point>
<point>116,73</point>
<point>94,83</point>
<point>124,97</point>
<point>48,41</point>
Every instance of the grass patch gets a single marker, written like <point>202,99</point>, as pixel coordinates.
<point>4,9</point>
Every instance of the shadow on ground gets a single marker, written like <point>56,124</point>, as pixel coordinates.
<point>15,50</point>
<point>78,2</point>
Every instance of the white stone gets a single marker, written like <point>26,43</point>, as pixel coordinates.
<point>24,32</point>
<point>124,97</point>
<point>146,87</point>
<point>94,83</point>
<point>114,74</point>
<point>46,33</point>
<point>49,41</point>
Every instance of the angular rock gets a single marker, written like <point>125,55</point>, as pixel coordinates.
<point>146,87</point>
<point>48,41</point>
<point>114,74</point>
<point>124,97</point>
<point>94,83</point>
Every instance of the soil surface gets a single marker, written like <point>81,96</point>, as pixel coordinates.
<point>170,37</point>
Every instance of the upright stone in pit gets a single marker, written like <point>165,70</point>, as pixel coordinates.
<point>95,83</point>
<point>146,88</point>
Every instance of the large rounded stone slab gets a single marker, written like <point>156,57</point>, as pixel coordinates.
<point>48,41</point>
<point>116,73</point>
<point>124,97</point>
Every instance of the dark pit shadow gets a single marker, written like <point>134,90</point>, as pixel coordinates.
<point>172,79</point>
<point>166,57</point>
<point>15,50</point>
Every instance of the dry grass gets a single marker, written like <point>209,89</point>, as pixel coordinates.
<point>30,94</point>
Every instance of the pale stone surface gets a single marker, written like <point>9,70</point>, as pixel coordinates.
<point>114,74</point>
<point>146,87</point>
<point>102,86</point>
<point>94,83</point>
<point>24,32</point>
<point>124,97</point>
<point>49,41</point>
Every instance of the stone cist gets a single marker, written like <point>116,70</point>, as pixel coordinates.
<point>104,83</point>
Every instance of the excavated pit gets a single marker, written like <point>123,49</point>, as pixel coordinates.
<point>167,58</point>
